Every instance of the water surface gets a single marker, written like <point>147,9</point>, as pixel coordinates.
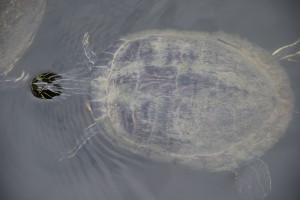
<point>34,132</point>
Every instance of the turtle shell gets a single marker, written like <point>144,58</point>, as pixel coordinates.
<point>207,101</point>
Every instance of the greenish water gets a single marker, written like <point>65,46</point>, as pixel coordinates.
<point>34,132</point>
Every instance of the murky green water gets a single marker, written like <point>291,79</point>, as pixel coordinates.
<point>34,132</point>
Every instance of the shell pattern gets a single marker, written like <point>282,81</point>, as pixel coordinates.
<point>208,101</point>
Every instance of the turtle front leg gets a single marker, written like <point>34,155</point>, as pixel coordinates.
<point>253,180</point>
<point>88,133</point>
<point>88,50</point>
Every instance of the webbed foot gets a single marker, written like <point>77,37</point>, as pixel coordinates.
<point>88,50</point>
<point>88,133</point>
<point>253,180</point>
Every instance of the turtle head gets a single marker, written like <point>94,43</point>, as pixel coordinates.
<point>44,86</point>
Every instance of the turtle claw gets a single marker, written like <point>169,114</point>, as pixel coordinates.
<point>292,58</point>
<point>290,53</point>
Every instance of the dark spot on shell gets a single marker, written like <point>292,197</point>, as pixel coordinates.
<point>160,71</point>
<point>131,52</point>
<point>130,80</point>
<point>158,80</point>
<point>126,118</point>
<point>147,53</point>
<point>196,80</point>
<point>190,56</point>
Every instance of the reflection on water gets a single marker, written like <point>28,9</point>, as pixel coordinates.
<point>34,132</point>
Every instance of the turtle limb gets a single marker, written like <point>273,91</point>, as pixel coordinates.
<point>88,133</point>
<point>253,180</point>
<point>88,50</point>
<point>292,57</point>
<point>290,52</point>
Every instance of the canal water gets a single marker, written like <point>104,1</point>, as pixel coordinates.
<point>34,132</point>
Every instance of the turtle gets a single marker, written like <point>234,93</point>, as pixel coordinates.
<point>19,22</point>
<point>207,101</point>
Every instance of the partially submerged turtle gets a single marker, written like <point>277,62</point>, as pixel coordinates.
<point>19,21</point>
<point>206,101</point>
